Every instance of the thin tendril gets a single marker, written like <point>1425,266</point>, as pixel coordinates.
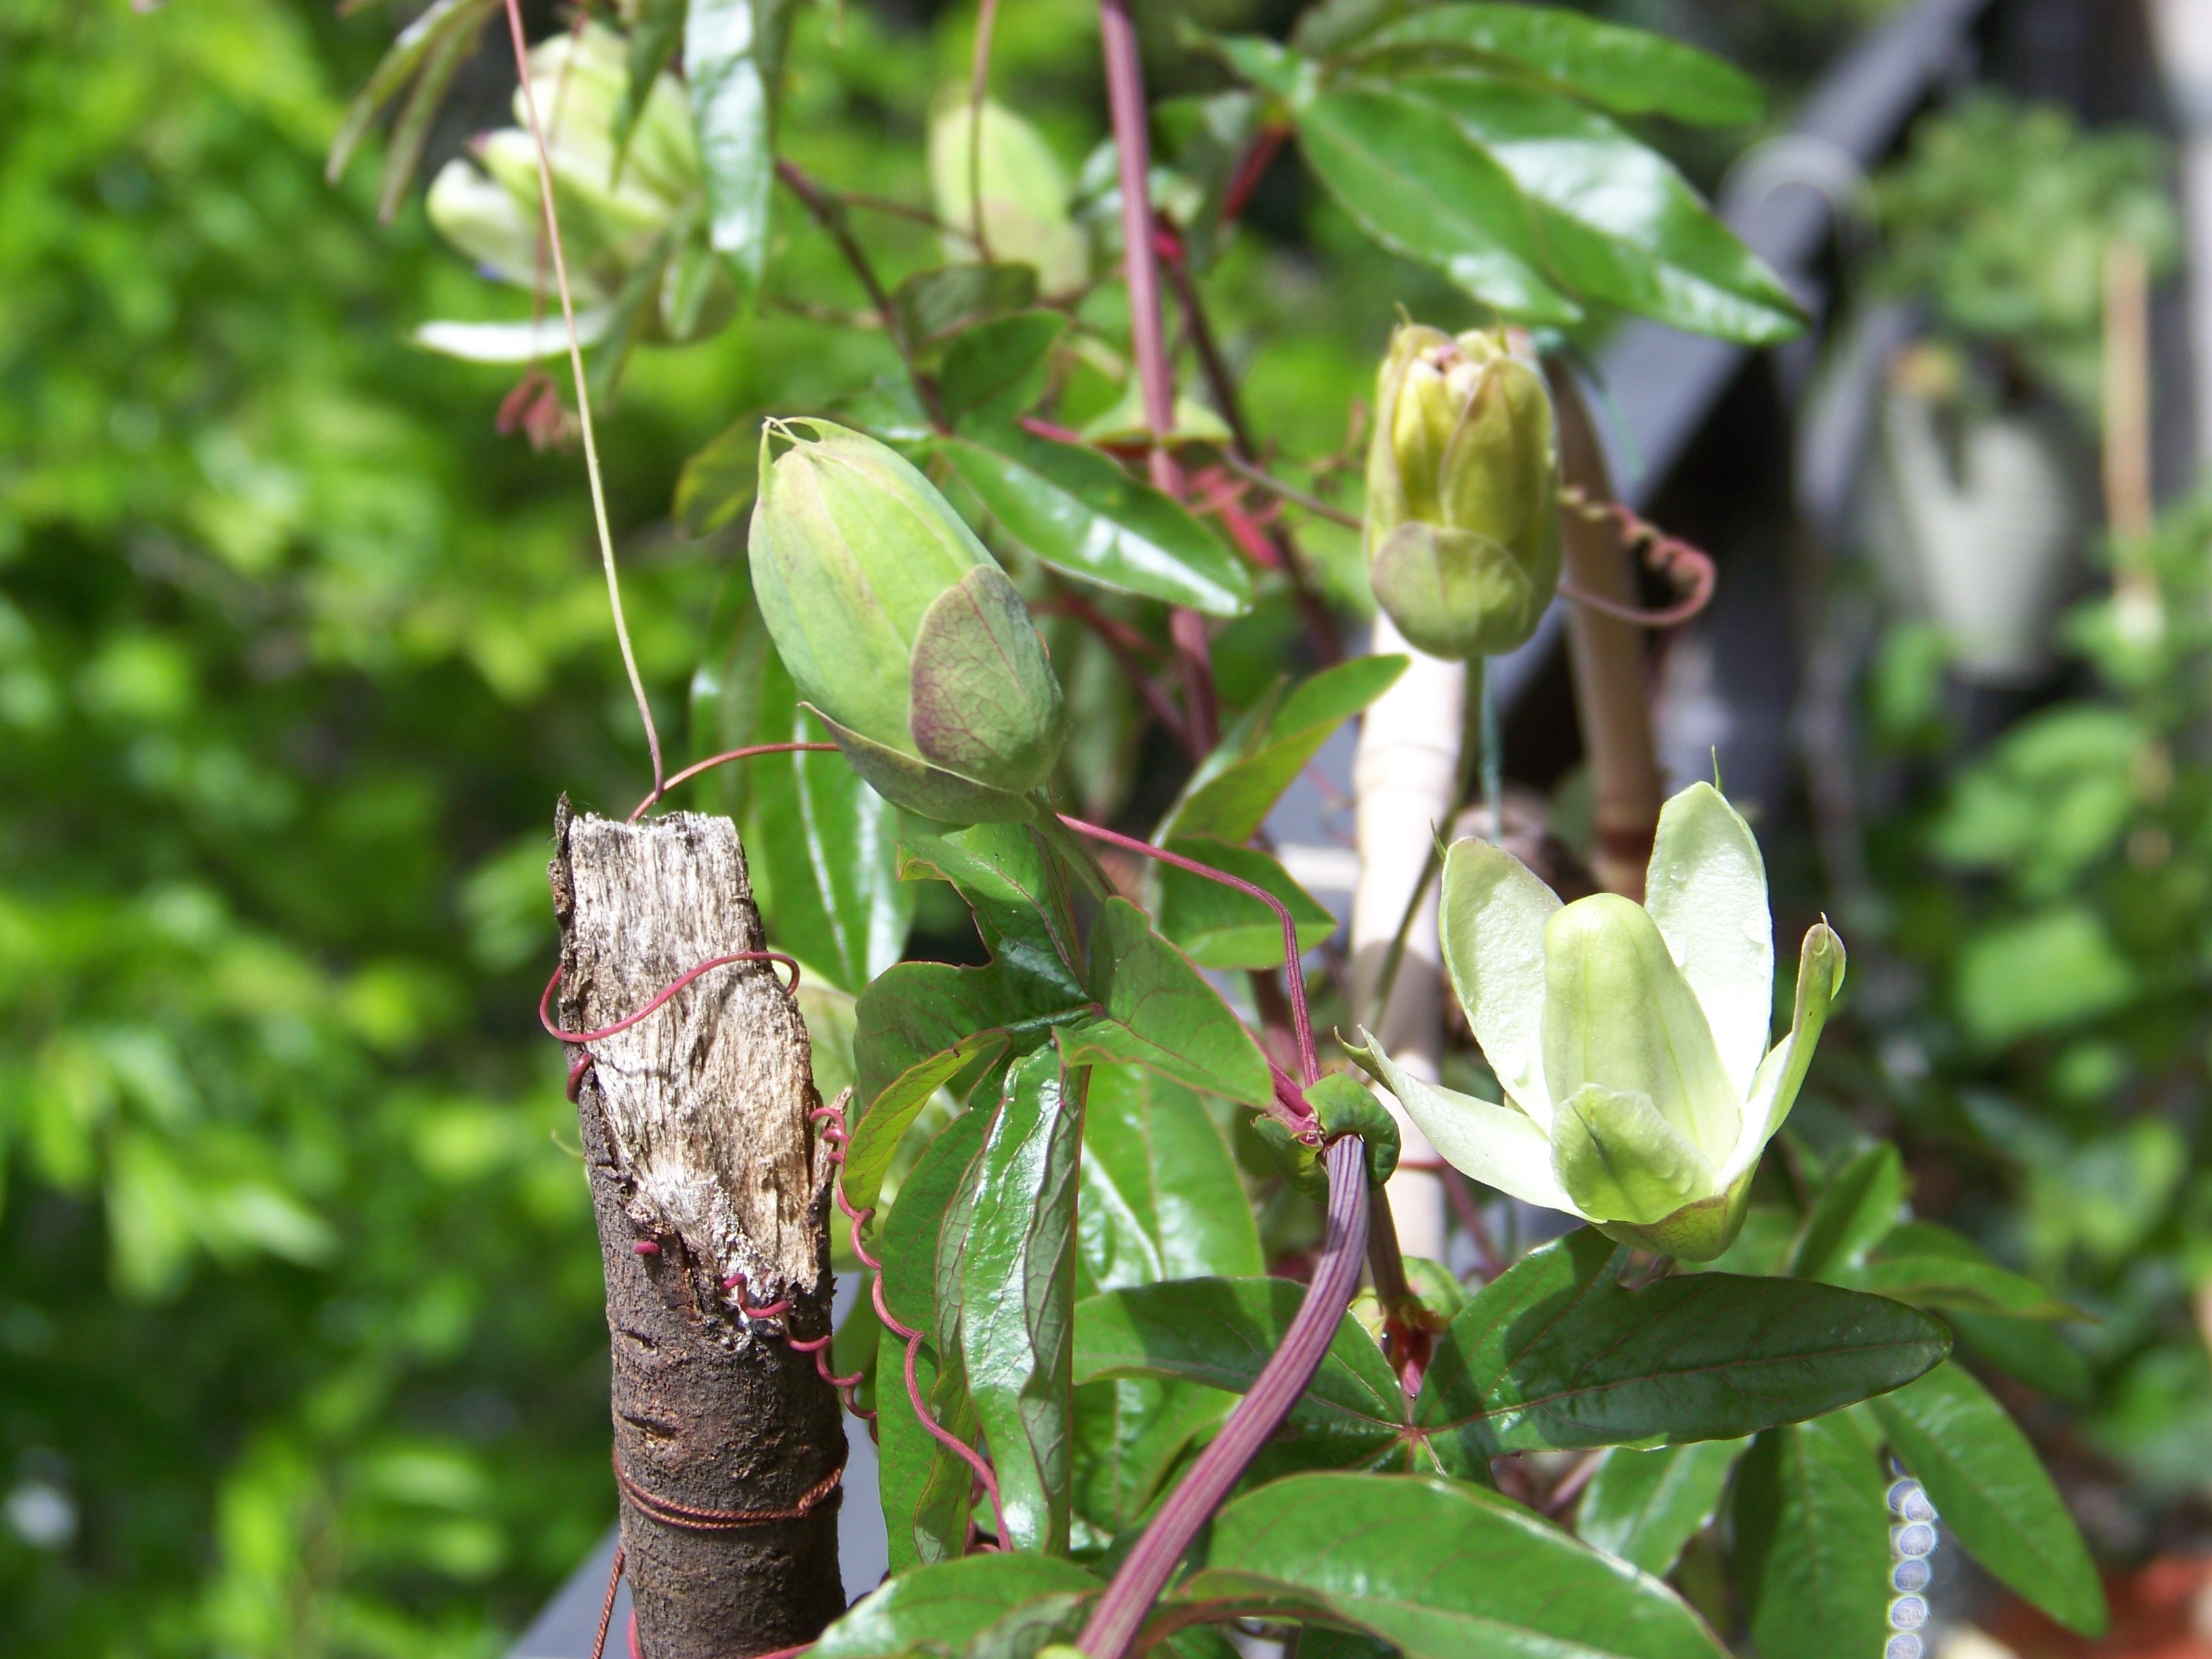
<point>722,759</point>
<point>583,393</point>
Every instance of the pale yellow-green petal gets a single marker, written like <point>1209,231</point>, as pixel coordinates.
<point>1490,923</point>
<point>1619,1160</point>
<point>1774,1090</point>
<point>1707,890</point>
<point>1618,1013</point>
<point>1492,1144</point>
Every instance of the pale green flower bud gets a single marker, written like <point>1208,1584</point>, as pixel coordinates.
<point>1630,1040</point>
<point>899,628</point>
<point>1463,535</point>
<point>1025,189</point>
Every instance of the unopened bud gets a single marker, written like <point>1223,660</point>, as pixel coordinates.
<point>1462,523</point>
<point>899,627</point>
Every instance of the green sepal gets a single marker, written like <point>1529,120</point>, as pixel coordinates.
<point>1299,1162</point>
<point>1454,593</point>
<point>1344,1108</point>
<point>925,790</point>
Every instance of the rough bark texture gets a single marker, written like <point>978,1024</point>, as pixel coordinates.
<point>696,1140</point>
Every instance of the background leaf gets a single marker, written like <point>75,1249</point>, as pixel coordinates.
<point>995,370</point>
<point>733,65</point>
<point>1990,1489</point>
<point>1643,1506</point>
<point>1218,927</point>
<point>1859,1205</point>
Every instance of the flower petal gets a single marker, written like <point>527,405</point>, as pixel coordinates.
<point>1491,924</point>
<point>1774,1090</point>
<point>1620,1160</point>
<point>1617,1012</point>
<point>1494,1145</point>
<point>1707,890</point>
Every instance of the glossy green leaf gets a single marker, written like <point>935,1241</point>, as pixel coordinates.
<point>910,1234</point>
<point>1557,1353</point>
<point>1154,1010</point>
<point>1011,1232</point>
<point>996,370</point>
<point>1218,927</point>
<point>827,845</point>
<point>945,1606</point>
<point>1990,1489</point>
<point>1234,788</point>
<point>1441,1570</point>
<point>1129,1432</point>
<point>932,305</point>
<point>1630,71</point>
<point>1859,1205</point>
<point>1161,1197</point>
<point>2026,1350</point>
<point>1811,1541</point>
<point>924,1488</point>
<point>733,64</point>
<point>1643,1506</point>
<point>717,484</point>
<point>1617,223</point>
<point>1018,891</point>
<point>1407,172</point>
<point>1219,1332</point>
<point>1079,511</point>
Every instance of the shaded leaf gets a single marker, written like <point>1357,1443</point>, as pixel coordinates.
<point>1235,787</point>
<point>947,1605</point>
<point>717,484</point>
<point>1406,171</point>
<point>933,305</point>
<point>1857,1206</point>
<point>655,32</point>
<point>1643,1506</point>
<point>1218,927</point>
<point>1154,1010</point>
<point>1161,1198</point>
<point>924,1487</point>
<point>1629,71</point>
<point>733,64</point>
<point>1932,1266</point>
<point>1811,1541</point>
<point>1079,510</point>
<point>1440,1570</point>
<point>1557,1353</point>
<point>1987,1483</point>
<point>1219,1333</point>
<point>995,370</point>
<point>2029,1351</point>
<point>909,1237</point>
<point>1129,1432</point>
<point>418,46</point>
<point>1616,222</point>
<point>1012,1234</point>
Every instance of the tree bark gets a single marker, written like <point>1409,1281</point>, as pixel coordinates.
<point>703,1166</point>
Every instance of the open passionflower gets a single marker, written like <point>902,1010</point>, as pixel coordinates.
<point>1630,1039</point>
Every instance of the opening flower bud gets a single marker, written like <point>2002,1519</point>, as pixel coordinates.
<point>899,628</point>
<point>1463,535</point>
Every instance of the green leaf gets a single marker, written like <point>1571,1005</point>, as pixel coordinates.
<point>1441,1570</point>
<point>733,64</point>
<point>1236,786</point>
<point>1932,1266</point>
<point>1161,1197</point>
<point>827,844</point>
<point>1156,1010</point>
<point>655,33</point>
<point>1219,1333</point>
<point>1411,177</point>
<point>428,35</point>
<point>1626,70</point>
<point>1018,891</point>
<point>1987,1483</point>
<point>1079,510</point>
<point>411,131</point>
<point>945,1605</point>
<point>925,1488</point>
<point>911,1236</point>
<point>995,370</point>
<point>717,484</point>
<point>1557,1353</point>
<point>2026,1350</point>
<point>1012,1234</point>
<point>933,304</point>
<point>1859,1205</point>
<point>1643,1506</point>
<point>1129,1432</point>
<point>1618,224</point>
<point>1218,927</point>
<point>1811,1541</point>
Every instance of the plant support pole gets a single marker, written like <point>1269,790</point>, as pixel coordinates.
<point>711,1190</point>
<point>1612,698</point>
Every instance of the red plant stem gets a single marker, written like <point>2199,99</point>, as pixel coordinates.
<point>1125,98</point>
<point>545,1002</point>
<point>944,1437</point>
<point>722,759</point>
<point>1145,1571</point>
<point>1121,641</point>
<point>1301,1022</point>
